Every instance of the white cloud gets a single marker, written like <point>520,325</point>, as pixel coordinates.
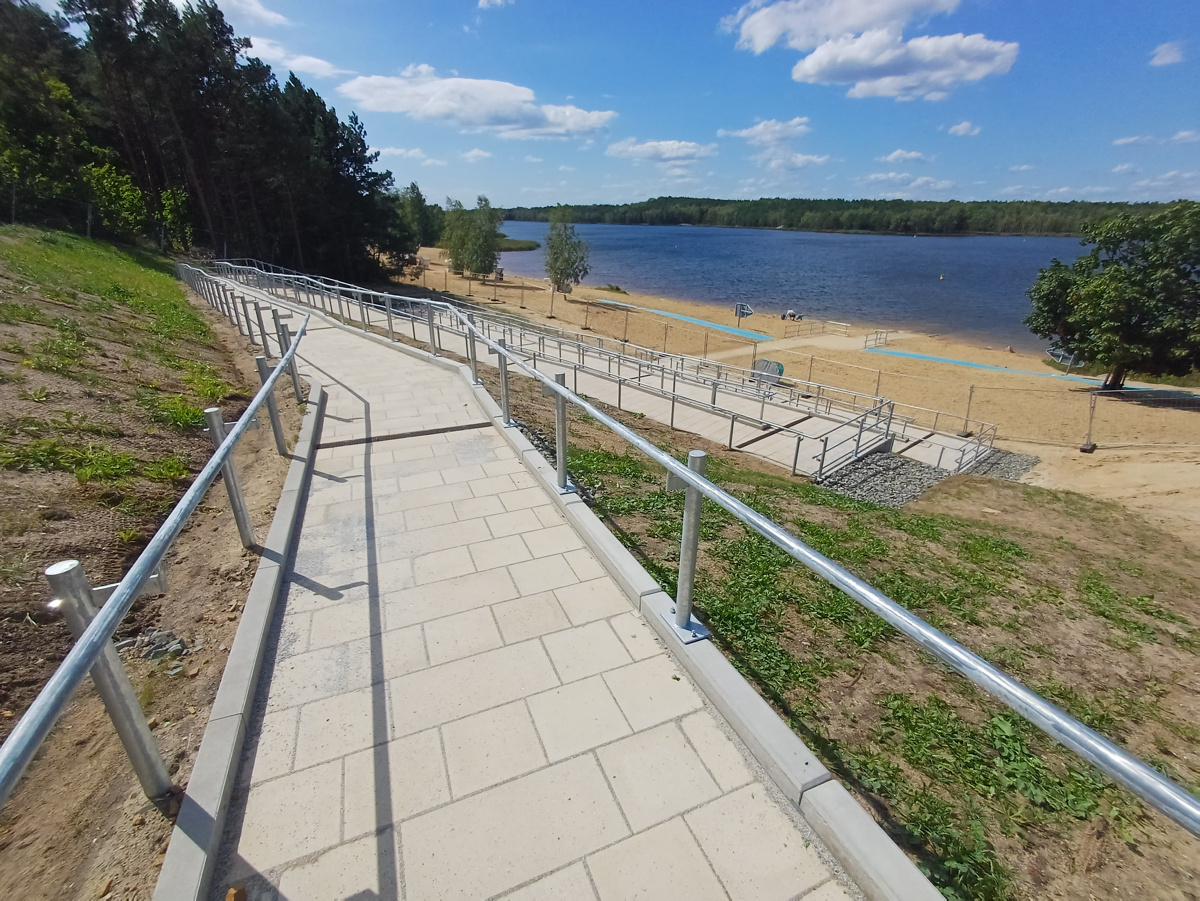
<point>1188,136</point>
<point>472,104</point>
<point>1167,54</point>
<point>1170,186</point>
<point>904,184</point>
<point>1024,167</point>
<point>1124,167</point>
<point>1017,189</point>
<point>276,54</point>
<point>474,156</point>
<point>861,43</point>
<point>660,151</point>
<point>415,153</point>
<point>566,168</point>
<point>489,4</point>
<point>774,138</point>
<point>964,129</point>
<point>533,159</point>
<point>253,9</point>
<point>903,156</point>
<point>770,131</point>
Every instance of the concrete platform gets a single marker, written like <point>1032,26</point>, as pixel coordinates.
<point>461,703</point>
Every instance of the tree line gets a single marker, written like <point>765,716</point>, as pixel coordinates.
<point>899,217</point>
<point>161,121</point>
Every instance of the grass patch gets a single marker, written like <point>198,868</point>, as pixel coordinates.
<point>90,462</point>
<point>173,410</point>
<point>169,469</point>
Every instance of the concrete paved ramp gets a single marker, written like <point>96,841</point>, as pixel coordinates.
<point>461,703</point>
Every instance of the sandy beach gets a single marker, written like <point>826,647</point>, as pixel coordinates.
<point>1147,457</point>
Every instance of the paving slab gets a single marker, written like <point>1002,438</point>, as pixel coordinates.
<point>459,700</point>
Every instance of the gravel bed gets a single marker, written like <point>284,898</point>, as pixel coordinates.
<point>885,479</point>
<point>1004,465</point>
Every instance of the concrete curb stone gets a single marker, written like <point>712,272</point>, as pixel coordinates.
<point>188,867</point>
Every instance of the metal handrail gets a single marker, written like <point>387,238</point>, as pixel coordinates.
<point>31,730</point>
<point>1142,780</point>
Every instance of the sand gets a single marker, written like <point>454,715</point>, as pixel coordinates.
<point>1147,457</point>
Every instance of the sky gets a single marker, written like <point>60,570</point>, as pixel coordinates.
<point>534,102</point>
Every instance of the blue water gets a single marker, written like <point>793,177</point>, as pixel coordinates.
<point>876,280</point>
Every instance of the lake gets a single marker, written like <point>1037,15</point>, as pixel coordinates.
<point>971,287</point>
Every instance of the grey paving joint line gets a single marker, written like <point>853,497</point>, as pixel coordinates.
<point>419,433</point>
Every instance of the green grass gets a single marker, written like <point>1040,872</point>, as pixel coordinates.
<point>169,469</point>
<point>172,409</point>
<point>90,462</point>
<point>508,244</point>
<point>62,266</point>
<point>204,382</point>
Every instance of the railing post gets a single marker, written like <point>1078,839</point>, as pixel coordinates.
<point>279,331</point>
<point>560,432</point>
<point>967,415</point>
<point>796,456</point>
<point>821,464</point>
<point>249,327</point>
<point>262,326</point>
<point>689,549</point>
<point>264,373</point>
<point>1088,447</point>
<point>502,362</point>
<point>732,421</point>
<point>362,309</point>
<point>241,514</point>
<point>73,596</point>
<point>433,348</point>
<point>387,302</point>
<point>471,351</point>
<point>287,337</point>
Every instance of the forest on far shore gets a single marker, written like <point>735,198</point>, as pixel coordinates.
<point>895,217</point>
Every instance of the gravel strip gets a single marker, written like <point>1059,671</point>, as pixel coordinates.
<point>1004,465</point>
<point>885,479</point>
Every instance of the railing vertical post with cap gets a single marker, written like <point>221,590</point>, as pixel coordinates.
<point>73,596</point>
<point>560,432</point>
<point>689,550</point>
<point>387,301</point>
<point>264,373</point>
<point>504,400</point>
<point>237,502</point>
<point>433,348</point>
<point>249,327</point>
<point>262,327</point>
<point>286,334</point>
<point>469,335</point>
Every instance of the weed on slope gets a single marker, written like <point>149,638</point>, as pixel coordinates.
<point>105,369</point>
<point>1083,602</point>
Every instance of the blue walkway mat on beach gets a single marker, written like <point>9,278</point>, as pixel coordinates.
<point>968,363</point>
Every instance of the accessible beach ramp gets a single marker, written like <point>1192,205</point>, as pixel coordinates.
<point>460,701</point>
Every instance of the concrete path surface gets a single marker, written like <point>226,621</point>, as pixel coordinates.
<point>461,703</point>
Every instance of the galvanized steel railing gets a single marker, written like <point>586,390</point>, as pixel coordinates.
<point>92,651</point>
<point>1142,780</point>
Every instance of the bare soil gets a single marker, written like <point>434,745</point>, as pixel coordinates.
<point>78,825</point>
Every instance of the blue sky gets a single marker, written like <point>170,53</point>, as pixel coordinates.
<point>544,101</point>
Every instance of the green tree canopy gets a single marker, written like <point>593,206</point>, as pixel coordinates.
<point>1133,302</point>
<point>472,237</point>
<point>161,118</point>
<point>566,253</point>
